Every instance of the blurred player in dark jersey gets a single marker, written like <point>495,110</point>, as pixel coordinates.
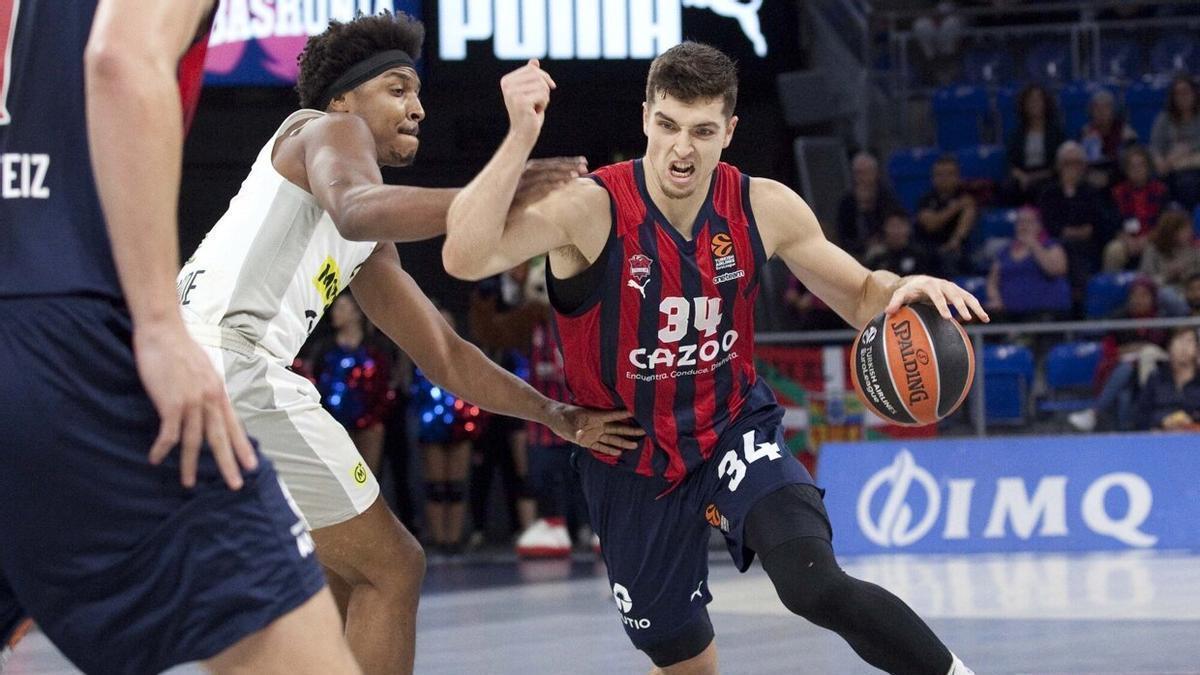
<point>130,557</point>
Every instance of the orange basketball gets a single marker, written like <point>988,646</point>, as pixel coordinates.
<point>914,367</point>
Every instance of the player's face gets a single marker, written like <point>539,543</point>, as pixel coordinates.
<point>684,142</point>
<point>391,105</point>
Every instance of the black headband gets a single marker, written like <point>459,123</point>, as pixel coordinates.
<point>363,71</point>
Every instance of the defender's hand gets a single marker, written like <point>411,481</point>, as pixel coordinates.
<point>941,293</point>
<point>543,176</point>
<point>599,430</point>
<point>526,96</point>
<point>191,402</point>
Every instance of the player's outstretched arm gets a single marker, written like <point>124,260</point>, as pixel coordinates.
<point>393,302</point>
<point>135,136</point>
<point>475,227</point>
<point>790,230</point>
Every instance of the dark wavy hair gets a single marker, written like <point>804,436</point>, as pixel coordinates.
<point>328,55</point>
<point>692,71</point>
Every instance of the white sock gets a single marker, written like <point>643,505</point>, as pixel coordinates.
<point>957,667</point>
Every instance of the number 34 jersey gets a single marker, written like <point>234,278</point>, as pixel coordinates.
<point>668,333</point>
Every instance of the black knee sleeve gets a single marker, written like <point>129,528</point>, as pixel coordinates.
<point>807,579</point>
<point>692,639</point>
<point>521,488</point>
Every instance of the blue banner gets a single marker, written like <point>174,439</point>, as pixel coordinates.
<point>1060,493</point>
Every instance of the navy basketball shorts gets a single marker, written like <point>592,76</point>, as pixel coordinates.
<point>120,566</point>
<point>656,547</point>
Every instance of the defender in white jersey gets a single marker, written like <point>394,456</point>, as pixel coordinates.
<point>304,226</point>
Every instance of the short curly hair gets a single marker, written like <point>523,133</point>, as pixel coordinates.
<point>328,55</point>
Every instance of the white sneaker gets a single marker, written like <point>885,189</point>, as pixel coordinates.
<point>545,538</point>
<point>1084,420</point>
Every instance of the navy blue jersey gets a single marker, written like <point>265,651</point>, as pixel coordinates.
<point>52,234</point>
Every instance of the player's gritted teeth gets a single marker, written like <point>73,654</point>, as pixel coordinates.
<point>681,172</point>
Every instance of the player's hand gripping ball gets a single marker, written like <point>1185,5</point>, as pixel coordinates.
<point>914,367</point>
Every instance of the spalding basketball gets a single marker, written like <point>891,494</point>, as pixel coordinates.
<point>914,367</point>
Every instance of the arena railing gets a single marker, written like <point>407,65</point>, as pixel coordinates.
<point>979,334</point>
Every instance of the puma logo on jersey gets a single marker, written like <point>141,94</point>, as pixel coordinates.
<point>697,593</point>
<point>639,272</point>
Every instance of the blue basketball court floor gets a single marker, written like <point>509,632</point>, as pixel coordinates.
<point>1017,613</point>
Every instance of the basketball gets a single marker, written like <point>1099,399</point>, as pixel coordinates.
<point>914,367</point>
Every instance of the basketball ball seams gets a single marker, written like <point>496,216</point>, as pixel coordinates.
<point>970,353</point>
<point>937,373</point>
<point>873,382</point>
<point>909,351</point>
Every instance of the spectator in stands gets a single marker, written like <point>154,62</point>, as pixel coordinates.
<point>1170,399</point>
<point>1028,279</point>
<point>1172,256</point>
<point>1175,141</point>
<point>898,253</point>
<point>863,208</point>
<point>1073,213</point>
<point>946,215</point>
<point>1141,197</point>
<point>1126,354</point>
<point>1191,293</point>
<point>1031,149</point>
<point>1103,137</point>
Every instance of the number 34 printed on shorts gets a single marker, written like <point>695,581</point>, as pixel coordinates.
<point>731,465</point>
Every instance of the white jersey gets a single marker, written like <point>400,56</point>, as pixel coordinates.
<point>270,267</point>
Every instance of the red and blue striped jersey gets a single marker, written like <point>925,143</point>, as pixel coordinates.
<point>668,333</point>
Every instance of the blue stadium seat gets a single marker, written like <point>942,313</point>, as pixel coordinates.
<point>1175,52</point>
<point>1143,102</point>
<point>1106,292</point>
<point>1120,59</point>
<point>1006,111</point>
<point>1007,374</point>
<point>958,113</point>
<point>1070,370</point>
<point>982,161</point>
<point>1074,99</point>
<point>997,224</point>
<point>909,170</point>
<point>988,65</point>
<point>1048,61</point>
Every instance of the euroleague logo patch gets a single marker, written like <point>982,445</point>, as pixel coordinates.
<point>714,518</point>
<point>722,245</point>
<point>360,473</point>
<point>722,250</point>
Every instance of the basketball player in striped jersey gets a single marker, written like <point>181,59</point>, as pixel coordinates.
<point>653,274</point>
<point>307,223</point>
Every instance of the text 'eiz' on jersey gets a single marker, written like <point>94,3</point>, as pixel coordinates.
<point>53,239</point>
<point>668,333</point>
